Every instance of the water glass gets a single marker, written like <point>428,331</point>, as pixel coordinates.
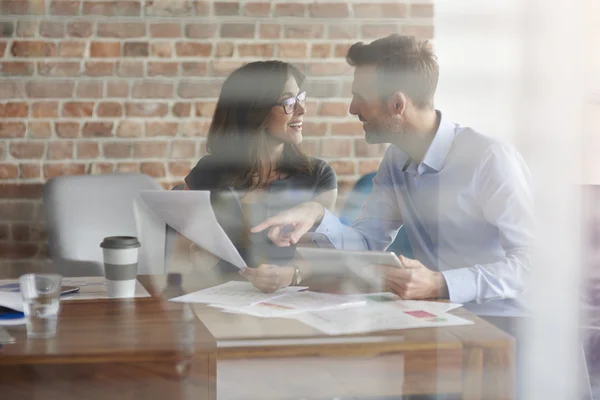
<point>41,302</point>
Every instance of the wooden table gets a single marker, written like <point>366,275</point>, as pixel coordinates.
<point>154,349</point>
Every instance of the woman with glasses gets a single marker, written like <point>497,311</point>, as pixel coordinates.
<point>255,168</point>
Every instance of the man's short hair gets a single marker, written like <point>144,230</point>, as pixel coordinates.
<point>404,63</point>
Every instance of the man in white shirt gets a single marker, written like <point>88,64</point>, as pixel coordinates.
<point>465,199</point>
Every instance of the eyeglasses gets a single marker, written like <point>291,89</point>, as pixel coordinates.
<point>290,105</point>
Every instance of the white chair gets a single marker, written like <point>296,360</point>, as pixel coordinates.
<point>82,210</point>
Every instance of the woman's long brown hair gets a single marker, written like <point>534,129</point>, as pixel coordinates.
<point>238,136</point>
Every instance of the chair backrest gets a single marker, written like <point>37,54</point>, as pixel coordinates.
<point>362,189</point>
<point>171,234</point>
<point>82,210</point>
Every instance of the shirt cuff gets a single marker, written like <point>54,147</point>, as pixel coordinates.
<point>462,285</point>
<point>328,231</point>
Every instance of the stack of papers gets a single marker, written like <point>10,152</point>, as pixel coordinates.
<point>333,314</point>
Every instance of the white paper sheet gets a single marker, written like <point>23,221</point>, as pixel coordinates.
<point>375,317</point>
<point>234,293</point>
<point>190,213</point>
<point>90,288</point>
<point>294,303</point>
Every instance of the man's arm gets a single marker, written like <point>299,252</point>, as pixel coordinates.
<point>503,185</point>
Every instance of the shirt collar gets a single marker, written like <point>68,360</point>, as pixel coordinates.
<point>440,146</point>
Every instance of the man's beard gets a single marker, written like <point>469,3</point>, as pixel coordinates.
<point>381,133</point>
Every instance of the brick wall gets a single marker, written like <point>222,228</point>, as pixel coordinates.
<point>89,87</point>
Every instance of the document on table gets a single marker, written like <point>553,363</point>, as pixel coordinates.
<point>234,293</point>
<point>294,303</point>
<point>375,317</point>
<point>190,213</point>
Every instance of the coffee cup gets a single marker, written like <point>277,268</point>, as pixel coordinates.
<point>120,264</point>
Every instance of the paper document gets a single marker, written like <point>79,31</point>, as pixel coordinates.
<point>190,213</point>
<point>294,303</point>
<point>90,288</point>
<point>234,293</point>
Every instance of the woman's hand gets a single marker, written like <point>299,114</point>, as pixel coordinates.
<point>268,278</point>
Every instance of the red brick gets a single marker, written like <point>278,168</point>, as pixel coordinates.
<point>311,107</point>
<point>320,50</point>
<point>257,9</point>
<point>3,46</point>
<point>336,148</point>
<point>72,49</point>
<point>121,30</point>
<point>329,10</point>
<point>374,10</point>
<point>163,69</point>
<point>171,8</point>
<point>22,7</point>
<point>161,128</point>
<point>136,49</point>
<point>80,29</point>
<point>201,7</point>
<point>330,69</point>
<point>194,69</point>
<point>237,30</point>
<point>293,50</point>
<point>153,90</point>
<point>11,90</point>
<point>88,149</point>
<point>54,170</point>
<point>98,129</point>
<point>16,68</point>
<point>7,29</point>
<point>105,49</point>
<point>363,149</point>
<point>102,168</point>
<point>104,8</point>
<point>59,69</point>
<point>200,31</point>
<point>165,30</point>
<point>188,49</point>
<point>420,31</point>
<point>224,67</point>
<point>354,128</point>
<point>343,31</point>
<point>195,128</point>
<point>99,68</point>
<point>118,89</point>
<point>14,110</point>
<point>78,110</point>
<point>27,29</point>
<point>20,232</point>
<point>376,31</point>
<point>89,89</point>
<point>130,167</point>
<point>310,128</point>
<point>191,89</point>
<point>183,149</point>
<point>60,150</point>
<point>341,50</point>
<point>421,10</point>
<point>334,109</point>
<point>52,29</point>
<point>27,149</point>
<point>290,10</point>
<point>109,109</point>
<point>304,31</point>
<point>146,109</point>
<point>12,129</point>
<point>130,69</point>
<point>182,110</point>
<point>346,90</point>
<point>322,88</point>
<point>9,171</point>
<point>150,149</point>
<point>368,166</point>
<point>224,49</point>
<point>45,109</point>
<point>311,147</point>
<point>4,232</point>
<point>256,50</point>
<point>40,130</point>
<point>163,50</point>
<point>343,167</point>
<point>269,31</point>
<point>117,149</point>
<point>3,150</point>
<point>154,169</point>
<point>128,8</point>
<point>179,168</point>
<point>229,8</point>
<point>205,109</point>
<point>18,250</point>
<point>65,7</point>
<point>130,129</point>
<point>22,48</point>
<point>67,129</point>
<point>30,171</point>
